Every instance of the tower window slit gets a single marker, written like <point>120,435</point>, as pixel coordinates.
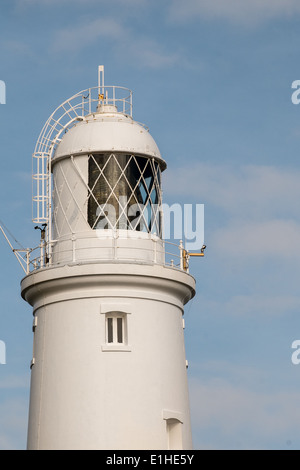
<point>110,337</point>
<point>120,330</point>
<point>116,328</point>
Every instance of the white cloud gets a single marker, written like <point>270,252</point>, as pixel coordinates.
<point>280,238</point>
<point>254,304</point>
<point>14,382</point>
<point>76,38</point>
<point>256,208</point>
<point>253,192</point>
<point>110,33</point>
<point>237,11</point>
<point>21,4</point>
<point>14,418</point>
<point>148,52</point>
<point>234,411</point>
<point>17,48</point>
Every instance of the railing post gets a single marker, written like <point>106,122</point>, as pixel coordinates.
<point>181,249</point>
<point>27,260</point>
<point>50,246</point>
<point>73,249</point>
<point>42,255</point>
<point>115,243</point>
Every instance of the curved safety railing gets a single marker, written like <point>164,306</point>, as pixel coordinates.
<point>61,120</point>
<point>165,254</point>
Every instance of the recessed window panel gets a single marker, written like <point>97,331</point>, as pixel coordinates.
<point>116,331</point>
<point>110,335</point>
<point>120,336</point>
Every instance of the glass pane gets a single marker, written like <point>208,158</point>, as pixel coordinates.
<point>157,172</point>
<point>149,181</point>
<point>146,219</point>
<point>142,165</point>
<point>110,337</point>
<point>120,186</point>
<point>120,330</point>
<point>154,197</point>
<point>95,163</point>
<point>123,160</point>
<point>112,171</point>
<point>143,192</point>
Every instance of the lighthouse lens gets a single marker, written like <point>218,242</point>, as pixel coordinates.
<point>124,193</point>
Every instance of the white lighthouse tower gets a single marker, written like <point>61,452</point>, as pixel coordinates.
<point>109,367</point>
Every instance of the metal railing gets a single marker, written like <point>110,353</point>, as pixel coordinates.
<point>168,254</point>
<point>62,119</point>
<point>162,253</point>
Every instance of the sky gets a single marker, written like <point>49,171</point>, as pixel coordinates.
<point>212,79</point>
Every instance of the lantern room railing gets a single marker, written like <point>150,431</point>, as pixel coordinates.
<point>174,256</point>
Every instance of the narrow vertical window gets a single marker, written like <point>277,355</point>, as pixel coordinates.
<point>120,330</point>
<point>110,336</point>
<point>115,328</point>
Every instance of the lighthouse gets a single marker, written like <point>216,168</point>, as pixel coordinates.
<point>108,369</point>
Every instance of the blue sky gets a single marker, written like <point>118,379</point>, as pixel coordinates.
<point>212,80</point>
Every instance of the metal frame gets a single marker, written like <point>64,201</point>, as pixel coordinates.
<point>62,119</point>
<point>155,186</point>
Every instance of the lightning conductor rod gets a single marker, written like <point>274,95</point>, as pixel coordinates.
<point>100,82</point>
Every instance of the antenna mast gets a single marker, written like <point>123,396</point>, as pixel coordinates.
<point>100,83</point>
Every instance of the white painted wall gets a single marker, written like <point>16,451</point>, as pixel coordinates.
<point>84,395</point>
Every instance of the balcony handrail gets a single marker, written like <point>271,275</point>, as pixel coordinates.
<point>176,259</point>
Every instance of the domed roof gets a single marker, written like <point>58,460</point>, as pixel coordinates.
<point>108,131</point>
